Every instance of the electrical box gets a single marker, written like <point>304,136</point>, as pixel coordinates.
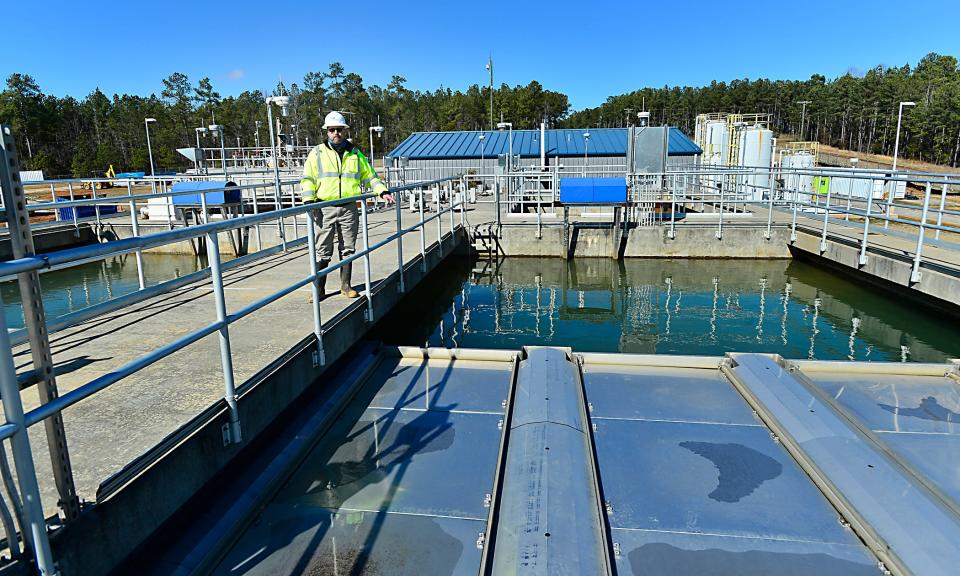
<point>220,193</point>
<point>593,190</point>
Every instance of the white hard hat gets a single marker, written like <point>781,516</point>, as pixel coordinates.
<point>335,119</point>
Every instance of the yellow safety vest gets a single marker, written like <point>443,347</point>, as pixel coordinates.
<point>327,177</point>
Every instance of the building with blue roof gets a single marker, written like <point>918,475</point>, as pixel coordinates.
<point>439,154</point>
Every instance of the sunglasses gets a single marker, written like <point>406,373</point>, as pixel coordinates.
<point>340,130</point>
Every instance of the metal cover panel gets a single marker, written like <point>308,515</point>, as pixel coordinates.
<point>897,402</point>
<point>547,390</point>
<point>709,478</point>
<point>309,540</point>
<point>655,393</point>
<point>912,527</point>
<point>936,456</point>
<point>549,520</point>
<point>653,553</point>
<point>436,462</point>
<point>442,384</point>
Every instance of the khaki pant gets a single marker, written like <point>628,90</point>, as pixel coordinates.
<point>340,221</point>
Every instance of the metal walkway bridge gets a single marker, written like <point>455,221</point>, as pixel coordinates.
<point>544,461</point>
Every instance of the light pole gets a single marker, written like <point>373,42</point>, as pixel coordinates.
<point>283,102</point>
<point>199,131</point>
<point>896,144</point>
<point>586,144</point>
<point>256,132</point>
<point>215,130</point>
<point>200,164</point>
<point>146,126</point>
<point>500,126</point>
<point>803,113</point>
<point>296,134</point>
<point>379,130</point>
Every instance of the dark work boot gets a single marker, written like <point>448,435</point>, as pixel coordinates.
<point>345,288</point>
<point>323,279</point>
<point>321,282</point>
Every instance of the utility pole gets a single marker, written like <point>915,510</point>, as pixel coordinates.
<point>490,68</point>
<point>803,113</point>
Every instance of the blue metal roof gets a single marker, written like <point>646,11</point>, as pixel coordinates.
<point>526,143</point>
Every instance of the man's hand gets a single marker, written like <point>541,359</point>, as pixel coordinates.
<point>388,197</point>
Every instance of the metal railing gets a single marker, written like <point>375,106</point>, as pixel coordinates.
<point>17,421</point>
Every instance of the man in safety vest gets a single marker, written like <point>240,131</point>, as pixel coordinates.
<point>336,169</point>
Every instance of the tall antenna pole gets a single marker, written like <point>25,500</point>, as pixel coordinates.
<point>490,68</point>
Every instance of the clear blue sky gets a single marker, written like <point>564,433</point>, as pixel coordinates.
<point>588,50</point>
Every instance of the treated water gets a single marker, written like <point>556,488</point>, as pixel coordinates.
<point>78,287</point>
<point>667,306</point>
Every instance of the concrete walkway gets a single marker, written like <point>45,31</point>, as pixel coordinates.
<point>112,428</point>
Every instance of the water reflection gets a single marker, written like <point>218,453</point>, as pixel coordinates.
<point>676,307</point>
<point>78,287</point>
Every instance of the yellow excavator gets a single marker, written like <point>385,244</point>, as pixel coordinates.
<point>110,173</point>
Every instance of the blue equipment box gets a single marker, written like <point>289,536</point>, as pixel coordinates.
<point>593,190</point>
<point>217,195</point>
<point>82,211</point>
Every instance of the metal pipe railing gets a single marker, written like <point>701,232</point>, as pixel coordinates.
<point>17,421</point>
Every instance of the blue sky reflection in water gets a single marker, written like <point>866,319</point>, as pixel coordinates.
<point>663,306</point>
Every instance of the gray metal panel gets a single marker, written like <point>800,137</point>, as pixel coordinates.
<point>547,390</point>
<point>897,402</point>
<point>918,417</point>
<point>650,151</point>
<point>712,479</point>
<point>442,384</point>
<point>310,540</point>
<point>905,524</point>
<point>654,553</point>
<point>936,456</point>
<point>436,463</point>
<point>660,393</point>
<point>549,522</point>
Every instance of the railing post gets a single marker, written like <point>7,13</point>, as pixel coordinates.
<point>397,201</point>
<point>892,190</point>
<point>315,288</point>
<point>423,234</point>
<point>866,227</point>
<point>673,207</point>
<point>439,223</point>
<point>771,193</point>
<point>915,273</point>
<point>23,460</point>
<point>231,431</point>
<point>96,207</point>
<point>720,214</point>
<point>365,234</point>
<point>496,196</point>
<point>76,225</point>
<point>449,187</point>
<point>826,216</point>
<point>135,225</point>
<point>21,243</point>
<point>943,201</point>
<point>796,201</point>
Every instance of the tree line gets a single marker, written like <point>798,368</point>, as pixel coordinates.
<point>82,138</point>
<point>70,137</point>
<point>855,111</point>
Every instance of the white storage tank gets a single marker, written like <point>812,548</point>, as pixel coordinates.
<point>756,151</point>
<point>802,183</point>
<point>717,139</point>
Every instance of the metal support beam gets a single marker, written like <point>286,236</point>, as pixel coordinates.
<point>21,241</point>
